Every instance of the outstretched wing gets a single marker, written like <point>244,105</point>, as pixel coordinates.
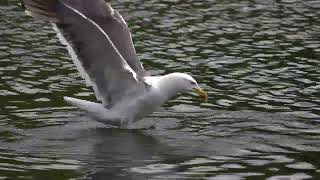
<point>113,25</point>
<point>111,76</point>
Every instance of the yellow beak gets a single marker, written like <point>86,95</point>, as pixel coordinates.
<point>203,95</point>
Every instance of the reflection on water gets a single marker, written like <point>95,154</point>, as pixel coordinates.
<point>227,144</point>
<point>259,61</point>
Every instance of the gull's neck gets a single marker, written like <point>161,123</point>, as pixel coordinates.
<point>170,85</point>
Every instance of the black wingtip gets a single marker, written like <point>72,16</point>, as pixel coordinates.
<point>21,5</point>
<point>42,9</point>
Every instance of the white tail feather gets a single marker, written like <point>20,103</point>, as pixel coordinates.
<point>95,110</point>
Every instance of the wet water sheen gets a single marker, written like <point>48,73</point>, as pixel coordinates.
<point>258,60</point>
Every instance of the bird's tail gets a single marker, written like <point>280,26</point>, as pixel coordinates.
<point>84,105</point>
<point>95,110</point>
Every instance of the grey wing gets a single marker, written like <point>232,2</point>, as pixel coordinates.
<point>111,76</point>
<point>114,26</point>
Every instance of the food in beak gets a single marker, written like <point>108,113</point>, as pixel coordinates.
<point>203,95</point>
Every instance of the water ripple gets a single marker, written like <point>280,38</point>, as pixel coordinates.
<point>259,62</point>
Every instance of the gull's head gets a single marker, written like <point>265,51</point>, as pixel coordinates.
<point>186,83</point>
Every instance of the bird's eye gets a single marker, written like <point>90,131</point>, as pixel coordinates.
<point>193,83</point>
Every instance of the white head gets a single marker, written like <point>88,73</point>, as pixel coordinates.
<point>180,83</point>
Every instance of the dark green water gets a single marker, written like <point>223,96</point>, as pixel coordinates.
<point>259,61</point>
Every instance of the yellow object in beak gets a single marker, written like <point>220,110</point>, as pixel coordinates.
<point>203,95</point>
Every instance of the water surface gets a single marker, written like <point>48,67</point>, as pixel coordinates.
<point>258,60</point>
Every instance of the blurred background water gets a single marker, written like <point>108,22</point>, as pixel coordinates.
<point>258,60</point>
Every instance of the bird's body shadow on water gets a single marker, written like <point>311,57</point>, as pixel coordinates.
<point>177,147</point>
<point>109,152</point>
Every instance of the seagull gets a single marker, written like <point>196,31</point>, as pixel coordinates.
<point>100,44</point>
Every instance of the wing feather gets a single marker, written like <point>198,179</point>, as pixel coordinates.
<point>112,78</point>
<point>113,24</point>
